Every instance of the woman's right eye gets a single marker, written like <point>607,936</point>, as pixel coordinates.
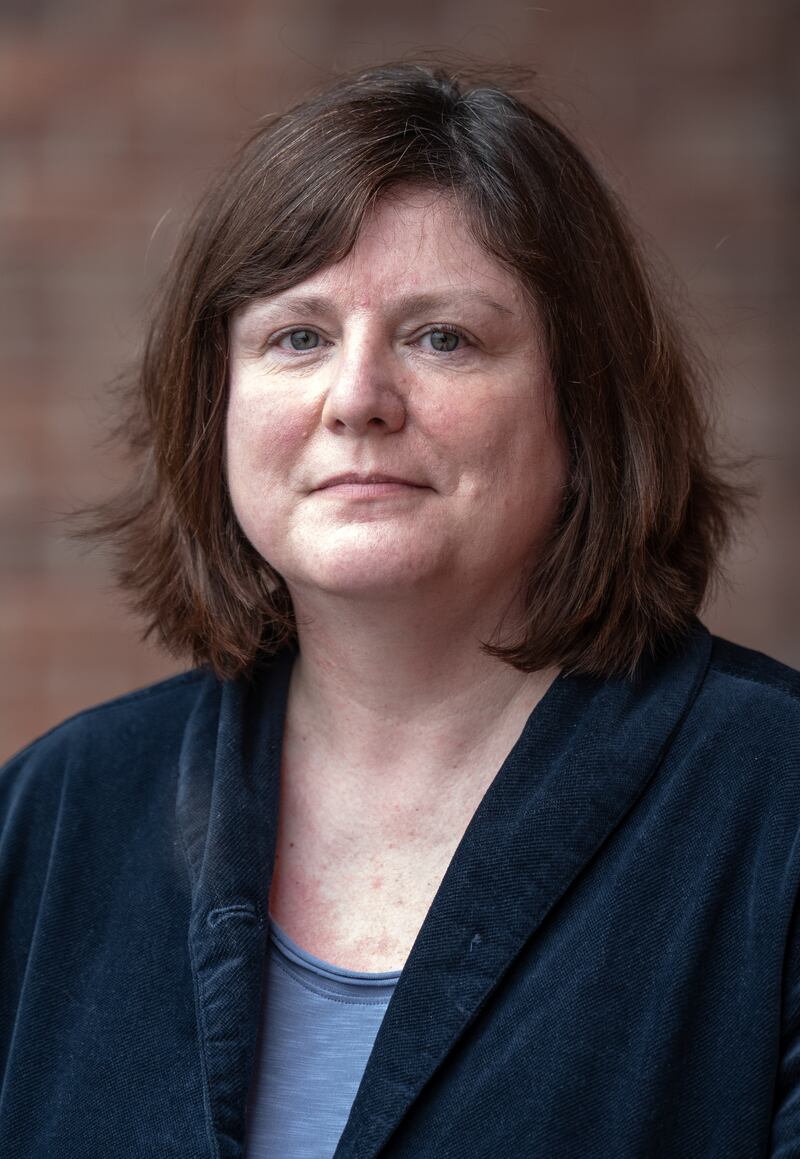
<point>300,339</point>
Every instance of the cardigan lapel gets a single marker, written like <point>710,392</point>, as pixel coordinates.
<point>585,756</point>
<point>227,811</point>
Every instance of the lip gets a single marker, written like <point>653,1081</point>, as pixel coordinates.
<point>354,478</point>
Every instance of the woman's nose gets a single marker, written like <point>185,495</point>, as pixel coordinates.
<point>365,392</point>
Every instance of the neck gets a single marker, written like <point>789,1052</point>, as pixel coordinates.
<point>387,696</point>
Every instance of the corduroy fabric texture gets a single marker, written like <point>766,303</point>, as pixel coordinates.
<point>609,970</point>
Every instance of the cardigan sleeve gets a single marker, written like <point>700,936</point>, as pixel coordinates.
<point>785,1134</point>
<point>32,786</point>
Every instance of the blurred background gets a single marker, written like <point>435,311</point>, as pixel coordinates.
<point>114,116</point>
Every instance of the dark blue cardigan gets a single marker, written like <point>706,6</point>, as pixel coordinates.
<point>610,968</point>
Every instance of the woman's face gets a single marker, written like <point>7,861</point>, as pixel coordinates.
<point>415,359</point>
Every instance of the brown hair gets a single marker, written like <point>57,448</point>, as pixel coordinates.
<point>646,511</point>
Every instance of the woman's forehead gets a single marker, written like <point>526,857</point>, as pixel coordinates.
<point>419,233</point>
<point>414,252</point>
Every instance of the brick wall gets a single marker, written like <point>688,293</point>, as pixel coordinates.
<point>114,115</point>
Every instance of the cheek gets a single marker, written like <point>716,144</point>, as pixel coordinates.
<point>506,442</point>
<point>264,433</point>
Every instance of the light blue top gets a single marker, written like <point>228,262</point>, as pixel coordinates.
<point>318,1024</point>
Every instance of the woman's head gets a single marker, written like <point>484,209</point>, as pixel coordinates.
<point>641,515</point>
<point>416,359</point>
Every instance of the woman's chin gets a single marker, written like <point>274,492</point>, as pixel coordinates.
<point>368,578</point>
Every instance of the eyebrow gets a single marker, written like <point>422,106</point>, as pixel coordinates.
<point>405,304</point>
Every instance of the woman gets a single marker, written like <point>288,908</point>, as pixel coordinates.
<point>425,488</point>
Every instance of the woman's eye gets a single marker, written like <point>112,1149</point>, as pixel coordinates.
<point>445,341</point>
<point>301,339</point>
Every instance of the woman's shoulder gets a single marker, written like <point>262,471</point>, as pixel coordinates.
<point>736,666</point>
<point>747,705</point>
<point>741,677</point>
<point>115,734</point>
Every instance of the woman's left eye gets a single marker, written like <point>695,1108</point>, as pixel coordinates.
<point>445,339</point>
<point>301,339</point>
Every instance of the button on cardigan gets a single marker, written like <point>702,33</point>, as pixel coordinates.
<point>610,968</point>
